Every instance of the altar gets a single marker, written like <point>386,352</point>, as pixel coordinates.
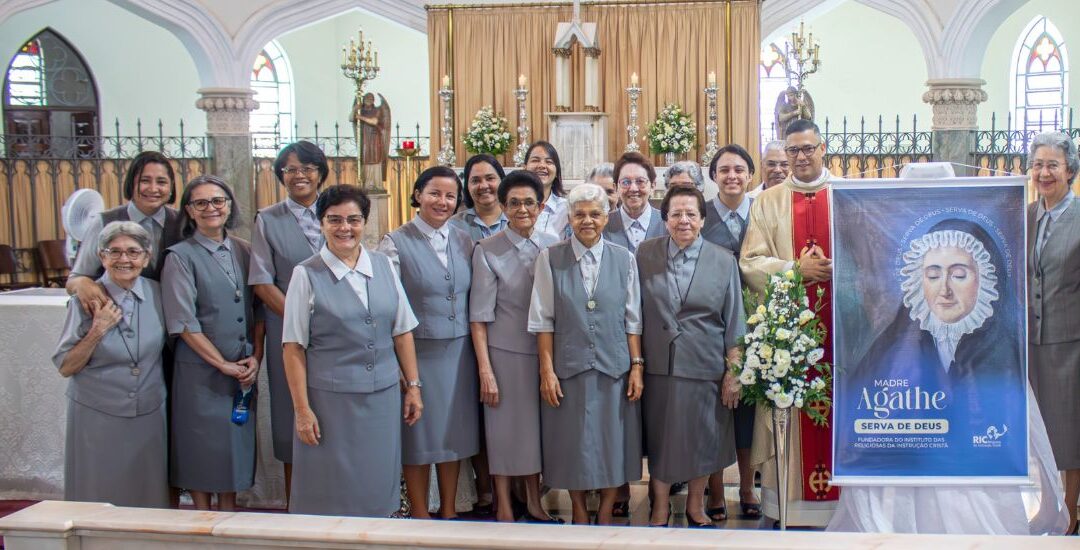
<point>580,139</point>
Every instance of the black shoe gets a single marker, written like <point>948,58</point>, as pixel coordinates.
<point>529,518</point>
<point>695,525</point>
<point>750,510</point>
<point>621,509</point>
<point>714,512</point>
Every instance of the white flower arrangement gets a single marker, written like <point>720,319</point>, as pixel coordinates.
<point>781,366</point>
<point>488,133</point>
<point>673,131</point>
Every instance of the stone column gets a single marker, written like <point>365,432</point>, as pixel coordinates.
<point>955,102</point>
<point>227,127</point>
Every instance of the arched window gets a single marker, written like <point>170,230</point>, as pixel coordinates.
<point>272,122</point>
<point>50,100</point>
<point>772,80</point>
<point>1040,80</point>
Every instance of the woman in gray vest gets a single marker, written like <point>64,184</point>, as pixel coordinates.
<point>691,307</point>
<point>116,445</point>
<point>208,306</point>
<point>347,341</point>
<point>1054,301</point>
<point>286,233</point>
<point>585,310</point>
<point>483,215</point>
<point>505,351</point>
<point>434,259</point>
<point>149,185</point>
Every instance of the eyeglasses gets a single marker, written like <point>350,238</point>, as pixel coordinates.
<point>305,170</point>
<point>1051,166</point>
<point>514,204</point>
<point>806,150</point>
<point>639,182</point>
<point>117,253</point>
<point>202,204</point>
<point>338,221</point>
<point>688,215</point>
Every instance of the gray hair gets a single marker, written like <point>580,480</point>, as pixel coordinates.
<point>602,170</point>
<point>587,192</point>
<point>1061,142</point>
<point>124,229</point>
<point>688,167</point>
<point>775,145</point>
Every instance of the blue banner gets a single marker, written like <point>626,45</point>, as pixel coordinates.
<point>929,342</point>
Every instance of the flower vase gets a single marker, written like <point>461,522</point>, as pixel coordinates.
<point>669,159</point>
<point>781,419</point>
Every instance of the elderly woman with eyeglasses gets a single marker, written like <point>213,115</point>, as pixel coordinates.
<point>347,342</point>
<point>586,313</point>
<point>208,308</point>
<point>1054,301</point>
<point>116,447</point>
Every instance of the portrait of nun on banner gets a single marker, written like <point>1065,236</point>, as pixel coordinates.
<point>933,411</point>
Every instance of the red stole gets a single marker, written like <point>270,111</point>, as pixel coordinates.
<point>810,225</point>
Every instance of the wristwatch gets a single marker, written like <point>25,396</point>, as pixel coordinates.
<point>638,361</point>
<point>414,384</point>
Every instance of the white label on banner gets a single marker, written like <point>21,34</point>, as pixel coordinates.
<point>920,426</point>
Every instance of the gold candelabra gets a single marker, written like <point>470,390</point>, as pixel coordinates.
<point>801,56</point>
<point>360,63</point>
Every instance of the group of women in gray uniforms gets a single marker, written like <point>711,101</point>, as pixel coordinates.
<point>582,356</point>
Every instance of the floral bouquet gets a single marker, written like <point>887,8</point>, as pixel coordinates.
<point>782,347</point>
<point>673,131</point>
<point>488,133</point>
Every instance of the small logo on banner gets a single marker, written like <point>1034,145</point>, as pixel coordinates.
<point>992,438</point>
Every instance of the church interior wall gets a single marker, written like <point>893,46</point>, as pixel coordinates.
<point>871,64</point>
<point>142,71</point>
<point>998,62</point>
<point>323,95</point>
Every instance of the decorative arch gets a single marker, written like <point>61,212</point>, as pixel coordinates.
<point>271,79</point>
<point>50,99</point>
<point>1039,83</point>
<point>772,81</point>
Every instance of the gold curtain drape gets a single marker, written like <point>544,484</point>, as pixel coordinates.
<point>672,46</point>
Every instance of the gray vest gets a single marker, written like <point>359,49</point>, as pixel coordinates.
<point>107,383</point>
<point>616,232</point>
<point>594,339</point>
<point>686,341</point>
<point>1054,285</point>
<point>286,240</point>
<point>439,295</point>
<point>716,231</point>
<point>170,235</point>
<point>514,272</point>
<point>226,319</point>
<point>350,347</point>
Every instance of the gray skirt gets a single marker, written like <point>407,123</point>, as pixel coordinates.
<point>592,440</point>
<point>1054,372</point>
<point>449,429</point>
<point>209,452</point>
<point>355,470</point>
<point>689,433</point>
<point>116,459</point>
<point>513,426</point>
<point>282,423</point>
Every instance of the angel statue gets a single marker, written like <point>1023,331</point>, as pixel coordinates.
<point>375,130</point>
<point>792,104</point>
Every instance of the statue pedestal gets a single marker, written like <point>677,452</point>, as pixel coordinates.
<point>378,222</point>
<point>580,139</point>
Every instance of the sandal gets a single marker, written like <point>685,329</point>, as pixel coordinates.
<point>718,513</point>
<point>750,510</point>
<point>621,509</point>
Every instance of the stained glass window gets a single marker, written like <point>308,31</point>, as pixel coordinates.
<point>26,77</point>
<point>272,122</point>
<point>772,79</point>
<point>1040,78</point>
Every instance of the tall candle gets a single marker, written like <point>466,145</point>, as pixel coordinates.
<point>522,81</point>
<point>712,78</point>
<point>446,81</point>
<point>633,79</point>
